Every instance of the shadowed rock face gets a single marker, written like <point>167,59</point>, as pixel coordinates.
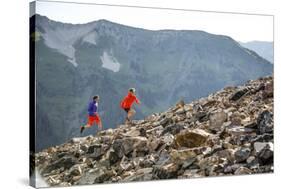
<point>192,149</point>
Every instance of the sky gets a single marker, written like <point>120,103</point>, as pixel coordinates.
<point>241,27</point>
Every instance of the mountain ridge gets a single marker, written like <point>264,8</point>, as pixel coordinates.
<point>102,21</point>
<point>263,48</point>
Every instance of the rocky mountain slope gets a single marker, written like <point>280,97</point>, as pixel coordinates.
<point>230,132</point>
<point>76,61</point>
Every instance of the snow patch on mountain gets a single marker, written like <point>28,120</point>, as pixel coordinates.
<point>62,38</point>
<point>110,62</point>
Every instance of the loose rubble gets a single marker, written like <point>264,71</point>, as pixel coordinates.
<point>227,133</point>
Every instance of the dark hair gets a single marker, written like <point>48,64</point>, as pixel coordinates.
<point>95,97</point>
<point>132,90</point>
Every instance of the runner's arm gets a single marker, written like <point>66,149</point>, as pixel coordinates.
<point>137,100</point>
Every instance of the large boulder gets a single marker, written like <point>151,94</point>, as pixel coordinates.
<point>191,138</point>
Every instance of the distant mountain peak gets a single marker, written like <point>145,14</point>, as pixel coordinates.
<point>262,48</point>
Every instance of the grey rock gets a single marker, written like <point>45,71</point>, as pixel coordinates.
<point>118,147</point>
<point>201,116</point>
<point>165,172</point>
<point>168,139</point>
<point>263,138</point>
<point>125,164</point>
<point>134,143</point>
<point>242,154</point>
<point>75,170</point>
<point>265,122</point>
<point>143,132</point>
<point>113,157</point>
<point>96,151</point>
<point>266,154</point>
<point>217,119</point>
<point>163,159</point>
<point>104,176</point>
<point>242,171</point>
<point>65,162</point>
<point>173,129</point>
<point>258,146</point>
<point>238,94</point>
<point>188,162</point>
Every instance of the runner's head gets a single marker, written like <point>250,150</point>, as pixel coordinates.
<point>132,90</point>
<point>96,98</point>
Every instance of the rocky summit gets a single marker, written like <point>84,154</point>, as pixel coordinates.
<point>230,132</point>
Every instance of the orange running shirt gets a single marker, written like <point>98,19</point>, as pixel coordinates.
<point>129,100</point>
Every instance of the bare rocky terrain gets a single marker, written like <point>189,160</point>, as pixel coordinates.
<point>230,132</point>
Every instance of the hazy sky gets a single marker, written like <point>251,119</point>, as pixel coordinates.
<point>241,27</point>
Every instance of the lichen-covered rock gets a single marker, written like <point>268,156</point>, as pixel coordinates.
<point>191,138</point>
